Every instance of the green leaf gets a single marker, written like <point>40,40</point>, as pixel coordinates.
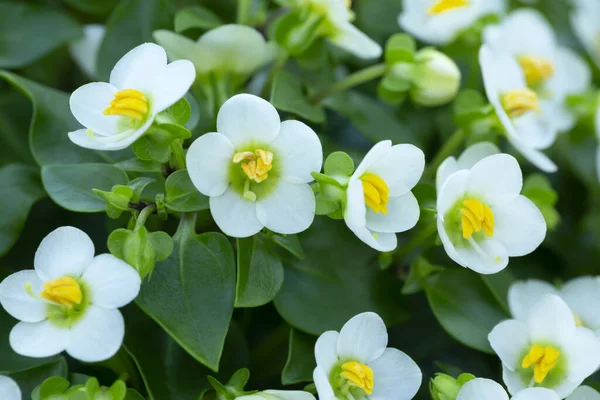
<point>287,95</point>
<point>182,195</point>
<point>419,270</point>
<point>191,293</point>
<point>538,189</point>
<point>464,306</point>
<point>290,243</point>
<point>140,249</point>
<point>178,114</point>
<point>70,186</point>
<point>400,48</point>
<point>93,7</point>
<point>20,189</point>
<point>43,29</point>
<point>137,165</point>
<point>155,144</point>
<point>133,395</point>
<point>301,362</point>
<point>138,186</point>
<point>259,272</point>
<point>338,279</point>
<point>339,163</point>
<point>117,200</point>
<point>52,375</point>
<point>196,17</point>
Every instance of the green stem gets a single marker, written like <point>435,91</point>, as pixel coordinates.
<point>144,214</point>
<point>177,155</point>
<point>186,228</point>
<point>277,65</point>
<point>243,12</point>
<point>416,241</point>
<point>355,79</point>
<point>446,151</point>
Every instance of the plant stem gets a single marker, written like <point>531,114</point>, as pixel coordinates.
<point>416,241</point>
<point>144,214</point>
<point>178,156</point>
<point>355,79</point>
<point>243,12</point>
<point>446,151</point>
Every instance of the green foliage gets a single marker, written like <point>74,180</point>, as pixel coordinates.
<point>195,17</point>
<point>300,363</point>
<point>287,95</point>
<point>182,195</point>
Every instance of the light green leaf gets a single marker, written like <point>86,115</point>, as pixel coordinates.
<point>301,362</point>
<point>196,17</point>
<point>400,48</point>
<point>182,195</point>
<point>338,163</point>
<point>137,165</point>
<point>52,374</point>
<point>178,114</point>
<point>140,249</point>
<point>155,144</point>
<point>287,95</point>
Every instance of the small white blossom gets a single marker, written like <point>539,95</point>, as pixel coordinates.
<point>585,20</point>
<point>84,51</point>
<point>9,390</point>
<point>481,388</point>
<point>70,301</point>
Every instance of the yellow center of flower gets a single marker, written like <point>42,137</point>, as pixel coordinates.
<point>128,103</point>
<point>255,165</point>
<point>64,291</point>
<point>441,6</point>
<point>543,359</point>
<point>358,375</point>
<point>517,102</point>
<point>376,192</point>
<point>536,69</point>
<point>476,216</point>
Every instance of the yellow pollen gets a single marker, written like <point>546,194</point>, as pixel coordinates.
<point>64,291</point>
<point>255,165</point>
<point>536,69</point>
<point>519,101</point>
<point>441,6</point>
<point>476,216</point>
<point>543,359</point>
<point>128,103</point>
<point>358,375</point>
<point>376,193</point>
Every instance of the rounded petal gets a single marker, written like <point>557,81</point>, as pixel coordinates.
<point>446,168</point>
<point>523,295</point>
<point>17,301</point>
<point>396,376</point>
<point>98,336</point>
<point>584,393</point>
<point>234,215</point>
<point>453,189</point>
<point>9,389</point>
<point>363,338</point>
<point>403,214</point>
<point>583,352</point>
<point>572,74</point>
<point>88,103</point>
<point>83,138</point>
<point>551,320</point>
<point>512,380</point>
<point>171,84</point>
<point>351,39</point>
<point>536,157</point>
<point>299,152</point>
<point>536,394</point>
<point>84,51</point>
<point>66,251</point>
<point>497,179</point>
<point>377,152</point>
<point>208,162</point>
<point>566,387</point>
<point>585,24</point>
<point>289,209</point>
<point>475,153</point>
<point>482,389</point>
<point>582,295</point>
<point>401,167</point>
<point>112,282</point>
<point>538,131</point>
<point>510,339</point>
<point>289,394</point>
<point>326,351</point>
<point>487,256</point>
<point>139,68</point>
<point>448,246</point>
<point>323,385</point>
<point>246,118</point>
<point>38,339</point>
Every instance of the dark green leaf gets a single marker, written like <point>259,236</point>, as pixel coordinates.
<point>290,243</point>
<point>419,270</point>
<point>182,195</point>
<point>137,165</point>
<point>287,95</point>
<point>195,17</point>
<point>301,359</point>
<point>93,7</point>
<point>53,375</point>
<point>155,144</point>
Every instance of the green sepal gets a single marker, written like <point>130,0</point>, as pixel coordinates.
<point>235,385</point>
<point>178,114</point>
<point>325,205</point>
<point>53,386</point>
<point>400,48</point>
<point>117,200</point>
<point>338,163</point>
<point>155,145</point>
<point>161,207</point>
<point>323,179</point>
<point>389,96</point>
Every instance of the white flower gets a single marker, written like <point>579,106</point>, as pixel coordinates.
<point>379,201</point>
<point>517,107</point>
<point>482,218</point>
<point>584,393</point>
<point>9,390</point>
<point>546,349</point>
<point>435,78</point>
<point>480,388</point>
<point>70,301</point>
<point>581,294</point>
<point>142,84</point>
<point>585,20</point>
<point>256,169</point>
<point>355,363</point>
<point>466,160</point>
<point>552,71</point>
<point>278,395</point>
<point>84,51</point>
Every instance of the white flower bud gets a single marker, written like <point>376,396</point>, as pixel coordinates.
<point>435,77</point>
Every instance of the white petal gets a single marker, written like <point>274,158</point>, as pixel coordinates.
<point>289,209</point>
<point>298,150</point>
<point>38,339</point>
<point>400,167</point>
<point>572,74</point>
<point>9,390</point>
<point>289,394</point>
<point>510,339</point>
<point>583,352</point>
<point>119,141</point>
<point>446,168</point>
<point>323,385</point>
<point>566,387</point>
<point>512,380</point>
<point>475,153</point>
<point>536,157</point>
<point>326,351</point>
<point>523,295</point>
<point>66,251</point>
<point>85,50</point>
<point>171,84</point>
<point>551,320</point>
<point>535,130</point>
<point>88,103</point>
<point>453,190</point>
<point>208,161</point>
<point>582,295</point>
<point>497,179</point>
<point>584,21</point>
<point>482,389</point>
<point>112,282</point>
<point>17,302</point>
<point>356,42</point>
<point>403,214</point>
<point>245,119</point>
<point>377,152</point>
<point>448,245</point>
<point>536,394</point>
<point>139,68</point>
<point>363,338</point>
<point>396,376</point>
<point>98,335</point>
<point>501,73</point>
<point>234,215</point>
<point>490,259</point>
<point>584,393</point>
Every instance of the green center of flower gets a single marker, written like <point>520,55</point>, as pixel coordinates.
<point>352,380</point>
<point>254,171</point>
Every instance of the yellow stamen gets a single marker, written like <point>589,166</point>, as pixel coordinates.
<point>519,101</point>
<point>543,359</point>
<point>64,291</point>
<point>536,69</point>
<point>441,6</point>
<point>128,103</point>
<point>376,193</point>
<point>475,217</point>
<point>255,165</point>
<point>358,375</point>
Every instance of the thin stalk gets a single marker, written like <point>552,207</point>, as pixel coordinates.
<point>144,214</point>
<point>352,80</point>
<point>177,155</point>
<point>446,151</point>
<point>243,12</point>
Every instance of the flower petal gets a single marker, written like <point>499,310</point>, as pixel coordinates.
<point>453,190</point>
<point>298,150</point>
<point>323,385</point>
<point>482,389</point>
<point>510,339</point>
<point>536,157</point>
<point>536,394</point>
<point>497,179</point>
<point>582,295</point>
<point>108,143</point>
<point>572,74</point>
<point>512,380</point>
<point>535,130</point>
<point>38,339</point>
<point>475,153</point>
<point>492,258</point>
<point>234,215</point>
<point>401,167</point>
<point>208,162</point>
<point>171,84</point>
<point>363,338</point>
<point>326,351</point>
<point>17,302</point>
<point>66,251</point>
<point>584,393</point>
<point>403,214</point>
<point>245,119</point>
<point>447,167</point>
<point>88,103</point>
<point>288,394</point>
<point>289,209</point>
<point>112,282</point>
<point>448,245</point>
<point>378,151</point>
<point>583,352</point>
<point>98,336</point>
<point>9,389</point>
<point>523,295</point>
<point>84,51</point>
<point>351,39</point>
<point>139,68</point>
<point>551,320</point>
<point>396,376</point>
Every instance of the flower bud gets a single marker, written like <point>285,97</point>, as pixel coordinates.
<point>444,387</point>
<point>435,78</point>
